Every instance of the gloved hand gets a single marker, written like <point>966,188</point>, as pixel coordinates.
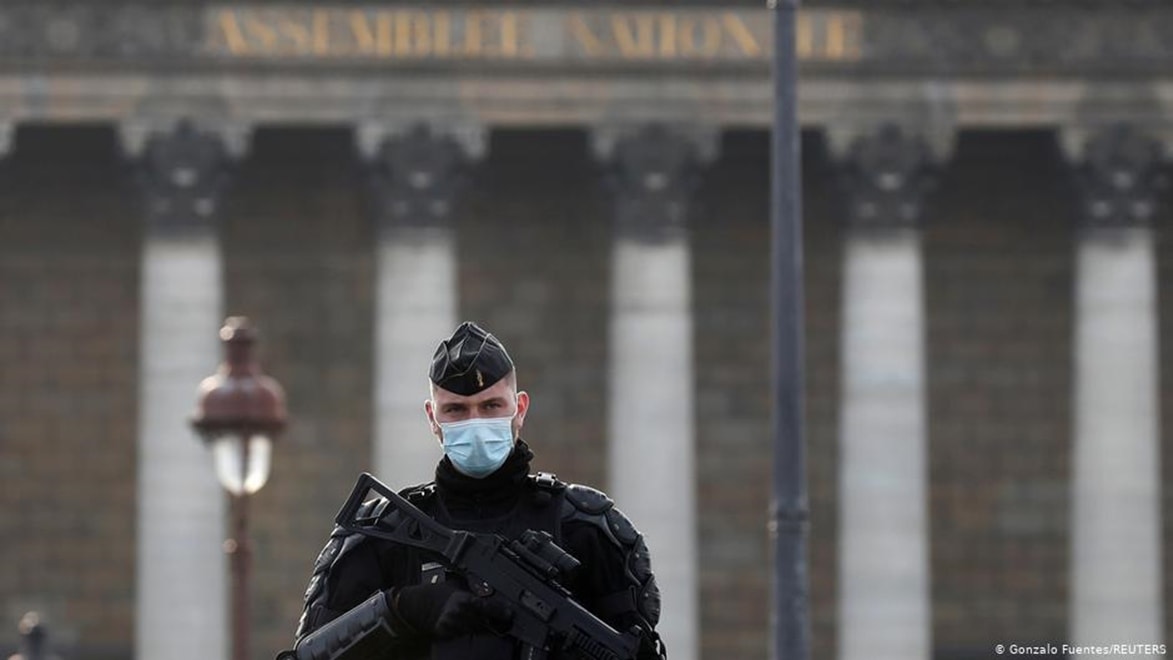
<point>448,610</point>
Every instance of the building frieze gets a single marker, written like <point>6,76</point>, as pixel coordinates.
<point>899,39</point>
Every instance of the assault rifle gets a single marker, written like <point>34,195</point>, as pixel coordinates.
<point>521,573</point>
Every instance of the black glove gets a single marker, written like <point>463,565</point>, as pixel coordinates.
<point>448,610</point>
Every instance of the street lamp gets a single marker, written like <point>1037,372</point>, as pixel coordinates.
<point>239,413</point>
<point>790,510</point>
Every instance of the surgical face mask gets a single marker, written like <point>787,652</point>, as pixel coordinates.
<point>477,447</point>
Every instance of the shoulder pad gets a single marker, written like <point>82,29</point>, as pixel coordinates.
<point>340,542</point>
<point>586,500</point>
<point>585,504</point>
<point>330,552</point>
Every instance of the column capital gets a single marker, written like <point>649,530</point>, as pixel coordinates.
<point>607,140</point>
<point>416,170</point>
<point>653,171</point>
<point>1117,170</point>
<point>371,136</point>
<point>134,134</point>
<point>182,169</point>
<point>887,172</point>
<point>936,131</point>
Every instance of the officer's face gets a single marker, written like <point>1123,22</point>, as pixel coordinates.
<point>499,400</point>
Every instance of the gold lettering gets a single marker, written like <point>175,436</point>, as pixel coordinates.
<point>402,34</point>
<point>233,35</point>
<point>361,32</point>
<point>591,45</point>
<point>370,37</point>
<point>383,33</point>
<point>710,36</point>
<point>421,32</point>
<point>508,33</point>
<point>319,32</point>
<point>835,37</point>
<point>804,35</point>
<point>443,42</point>
<point>668,35</point>
<point>745,40</point>
<point>634,35</point>
<point>473,34</point>
<point>509,43</point>
<point>254,29</point>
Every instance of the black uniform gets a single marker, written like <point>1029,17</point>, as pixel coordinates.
<point>375,599</point>
<point>615,581</point>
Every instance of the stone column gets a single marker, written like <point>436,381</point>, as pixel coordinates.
<point>181,572</point>
<point>650,431</point>
<point>884,611</point>
<point>1116,576</point>
<point>416,174</point>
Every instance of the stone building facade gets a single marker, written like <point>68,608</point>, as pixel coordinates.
<point>955,149</point>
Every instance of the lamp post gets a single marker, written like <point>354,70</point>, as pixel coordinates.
<point>239,414</point>
<point>790,510</point>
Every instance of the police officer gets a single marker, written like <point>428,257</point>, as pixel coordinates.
<point>370,598</point>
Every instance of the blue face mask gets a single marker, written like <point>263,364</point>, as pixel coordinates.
<point>477,447</point>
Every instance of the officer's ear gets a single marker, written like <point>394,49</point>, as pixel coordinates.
<point>430,412</point>
<point>522,406</point>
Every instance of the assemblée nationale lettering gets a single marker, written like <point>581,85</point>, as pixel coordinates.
<point>496,34</point>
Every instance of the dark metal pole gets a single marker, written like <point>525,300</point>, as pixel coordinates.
<point>789,509</point>
<point>242,558</point>
<point>240,555</point>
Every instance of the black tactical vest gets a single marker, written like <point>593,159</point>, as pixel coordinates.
<point>539,507</point>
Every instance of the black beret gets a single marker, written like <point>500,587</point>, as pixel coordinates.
<point>469,361</point>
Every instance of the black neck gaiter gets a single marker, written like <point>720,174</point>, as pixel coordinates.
<point>467,497</point>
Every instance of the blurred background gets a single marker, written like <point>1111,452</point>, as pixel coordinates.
<point>985,239</point>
